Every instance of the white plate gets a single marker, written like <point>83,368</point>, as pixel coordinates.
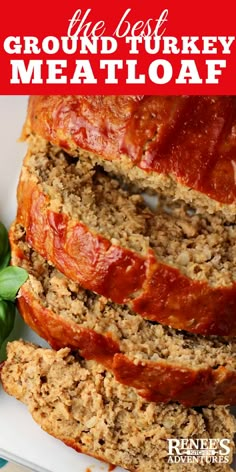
<point>21,439</point>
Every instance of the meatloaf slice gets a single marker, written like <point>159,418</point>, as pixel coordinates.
<point>183,146</point>
<point>168,265</point>
<point>163,364</point>
<point>80,403</point>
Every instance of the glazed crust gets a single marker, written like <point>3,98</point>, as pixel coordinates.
<point>151,288</point>
<point>190,141</point>
<point>157,381</point>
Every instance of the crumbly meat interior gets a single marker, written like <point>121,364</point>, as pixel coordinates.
<point>141,340</point>
<point>201,246</point>
<point>114,110</point>
<point>81,403</point>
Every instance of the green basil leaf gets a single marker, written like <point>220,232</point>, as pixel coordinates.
<point>7,318</point>
<point>11,279</point>
<point>4,262</point>
<point>4,247</point>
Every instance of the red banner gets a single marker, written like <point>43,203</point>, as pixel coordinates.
<point>120,47</point>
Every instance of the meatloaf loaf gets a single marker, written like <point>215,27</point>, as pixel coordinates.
<point>183,146</point>
<point>81,404</point>
<point>172,265</point>
<point>163,364</point>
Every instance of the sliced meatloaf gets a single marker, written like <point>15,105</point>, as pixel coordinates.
<point>169,265</point>
<point>81,404</point>
<point>163,364</point>
<point>183,146</point>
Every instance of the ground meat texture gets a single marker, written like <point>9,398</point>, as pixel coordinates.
<point>182,146</point>
<point>80,403</point>
<point>201,246</point>
<point>146,355</point>
<point>170,265</point>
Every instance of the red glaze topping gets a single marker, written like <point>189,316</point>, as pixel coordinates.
<point>193,139</point>
<point>160,380</point>
<point>155,290</point>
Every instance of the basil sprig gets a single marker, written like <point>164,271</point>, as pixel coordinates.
<point>11,279</point>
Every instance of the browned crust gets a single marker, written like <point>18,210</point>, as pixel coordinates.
<point>61,333</point>
<point>153,289</point>
<point>196,387</point>
<point>156,381</point>
<point>186,140</point>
